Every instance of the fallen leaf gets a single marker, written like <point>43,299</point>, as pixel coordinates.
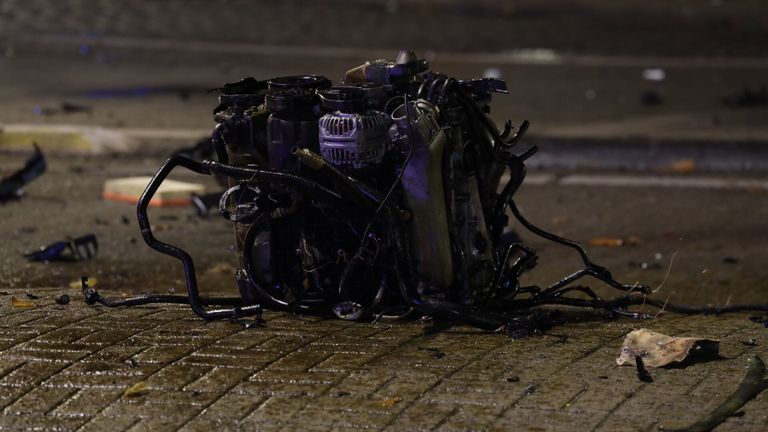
<point>79,284</point>
<point>21,303</point>
<point>138,389</point>
<point>389,402</point>
<point>658,349</point>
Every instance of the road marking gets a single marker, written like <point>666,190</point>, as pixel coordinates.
<point>534,179</point>
<point>532,56</point>
<point>96,139</point>
<point>88,138</point>
<point>663,181</point>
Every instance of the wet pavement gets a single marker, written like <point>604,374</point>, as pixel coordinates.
<point>68,367</point>
<point>696,216</point>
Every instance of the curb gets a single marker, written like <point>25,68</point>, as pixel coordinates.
<point>649,154</point>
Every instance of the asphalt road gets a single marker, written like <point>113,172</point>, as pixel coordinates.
<point>693,218</point>
<point>713,225</point>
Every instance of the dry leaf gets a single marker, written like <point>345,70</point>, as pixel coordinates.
<point>658,349</point>
<point>138,389</point>
<point>389,402</point>
<point>21,303</point>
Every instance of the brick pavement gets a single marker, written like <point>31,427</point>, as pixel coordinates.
<point>66,368</point>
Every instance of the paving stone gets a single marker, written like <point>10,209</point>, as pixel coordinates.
<point>39,400</point>
<point>88,401</point>
<point>314,374</point>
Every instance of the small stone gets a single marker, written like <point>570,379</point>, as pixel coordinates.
<point>62,299</point>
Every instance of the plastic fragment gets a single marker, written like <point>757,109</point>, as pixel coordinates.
<point>11,186</point>
<point>21,303</point>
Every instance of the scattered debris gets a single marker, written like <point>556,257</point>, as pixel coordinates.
<point>63,108</point>
<point>730,260</point>
<point>529,390</point>
<point>182,92</point>
<point>513,379</point>
<point>561,339</point>
<point>343,393</point>
<point>11,186</point>
<point>78,249</point>
<point>748,98</point>
<point>659,350</point>
<point>645,265</point>
<point>79,283</point>
<point>170,193</point>
<point>124,219</point>
<point>32,296</point>
<point>642,373</point>
<point>132,363</point>
<point>436,352</point>
<point>17,303</point>
<point>753,384</point>
<point>760,320</point>
<point>615,242</point>
<point>652,98</point>
<point>683,166</point>
<point>749,342</point>
<point>654,74</point>
<point>138,389</point>
<point>62,299</point>
<point>389,402</point>
<point>162,227</point>
<point>248,324</point>
<point>100,221</point>
<point>203,203</point>
<point>72,108</point>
